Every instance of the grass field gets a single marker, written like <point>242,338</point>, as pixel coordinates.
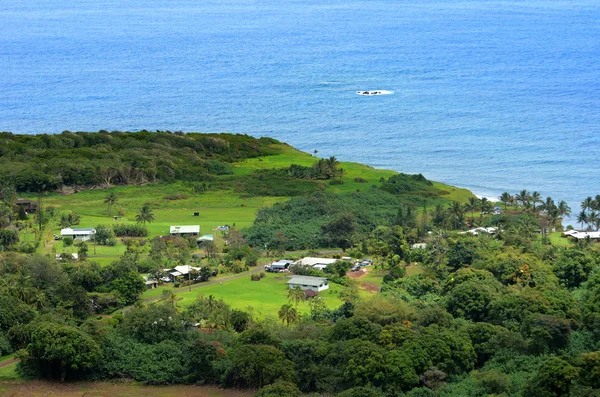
<point>264,297</point>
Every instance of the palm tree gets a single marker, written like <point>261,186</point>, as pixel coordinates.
<point>536,197</point>
<point>563,209</point>
<point>523,197</point>
<point>587,204</point>
<point>457,210</point>
<point>110,199</point>
<point>296,295</point>
<point>145,215</point>
<point>506,198</point>
<point>593,219</point>
<point>596,206</point>
<point>288,314</point>
<point>331,164</point>
<point>169,297</point>
<point>485,204</point>
<point>582,218</point>
<point>472,205</point>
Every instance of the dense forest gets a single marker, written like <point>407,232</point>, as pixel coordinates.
<point>488,315</point>
<point>47,162</point>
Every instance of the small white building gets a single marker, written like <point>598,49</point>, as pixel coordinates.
<point>481,230</point>
<point>318,263</point>
<point>184,231</point>
<point>584,235</point>
<point>316,284</point>
<point>182,271</point>
<point>78,234</point>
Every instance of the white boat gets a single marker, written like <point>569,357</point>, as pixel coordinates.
<point>374,92</point>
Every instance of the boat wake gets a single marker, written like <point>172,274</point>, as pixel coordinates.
<point>374,92</point>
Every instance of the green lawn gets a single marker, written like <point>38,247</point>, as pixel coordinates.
<point>10,371</point>
<point>558,240</point>
<point>265,297</point>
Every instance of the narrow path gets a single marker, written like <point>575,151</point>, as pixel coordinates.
<point>8,362</point>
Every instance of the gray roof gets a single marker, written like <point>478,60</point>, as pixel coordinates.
<point>307,280</point>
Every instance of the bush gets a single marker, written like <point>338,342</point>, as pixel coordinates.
<point>68,241</point>
<point>360,180</point>
<point>279,389</point>
<point>255,277</point>
<point>180,196</point>
<point>121,230</point>
<point>8,237</point>
<point>336,182</point>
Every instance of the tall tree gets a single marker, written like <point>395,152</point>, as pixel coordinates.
<point>296,295</point>
<point>506,198</point>
<point>472,205</point>
<point>458,213</point>
<point>587,203</point>
<point>111,199</point>
<point>288,314</point>
<point>536,197</point>
<point>145,215</point>
<point>523,197</point>
<point>582,218</point>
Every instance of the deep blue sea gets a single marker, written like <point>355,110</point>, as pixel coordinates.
<point>488,95</point>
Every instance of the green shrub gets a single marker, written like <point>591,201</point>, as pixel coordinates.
<point>128,230</point>
<point>68,241</point>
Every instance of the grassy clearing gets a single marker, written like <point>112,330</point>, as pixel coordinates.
<point>9,372</point>
<point>264,297</point>
<point>558,240</point>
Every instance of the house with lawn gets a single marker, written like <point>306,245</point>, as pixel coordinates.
<point>185,231</point>
<point>78,234</point>
<point>316,284</point>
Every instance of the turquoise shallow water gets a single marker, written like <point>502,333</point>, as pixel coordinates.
<point>489,95</point>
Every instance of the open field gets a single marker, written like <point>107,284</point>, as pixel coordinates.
<point>107,389</point>
<point>265,297</point>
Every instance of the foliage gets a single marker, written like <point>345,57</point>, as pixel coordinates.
<point>129,230</point>
<point>56,350</point>
<point>8,238</point>
<point>258,365</point>
<point>45,162</point>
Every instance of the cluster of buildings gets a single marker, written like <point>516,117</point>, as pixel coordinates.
<point>86,234</point>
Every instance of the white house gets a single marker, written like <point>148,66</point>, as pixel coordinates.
<point>584,235</point>
<point>479,230</point>
<point>318,263</point>
<point>182,271</point>
<point>184,231</point>
<point>78,234</point>
<point>316,284</point>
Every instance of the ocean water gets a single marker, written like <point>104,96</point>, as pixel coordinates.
<point>488,95</point>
